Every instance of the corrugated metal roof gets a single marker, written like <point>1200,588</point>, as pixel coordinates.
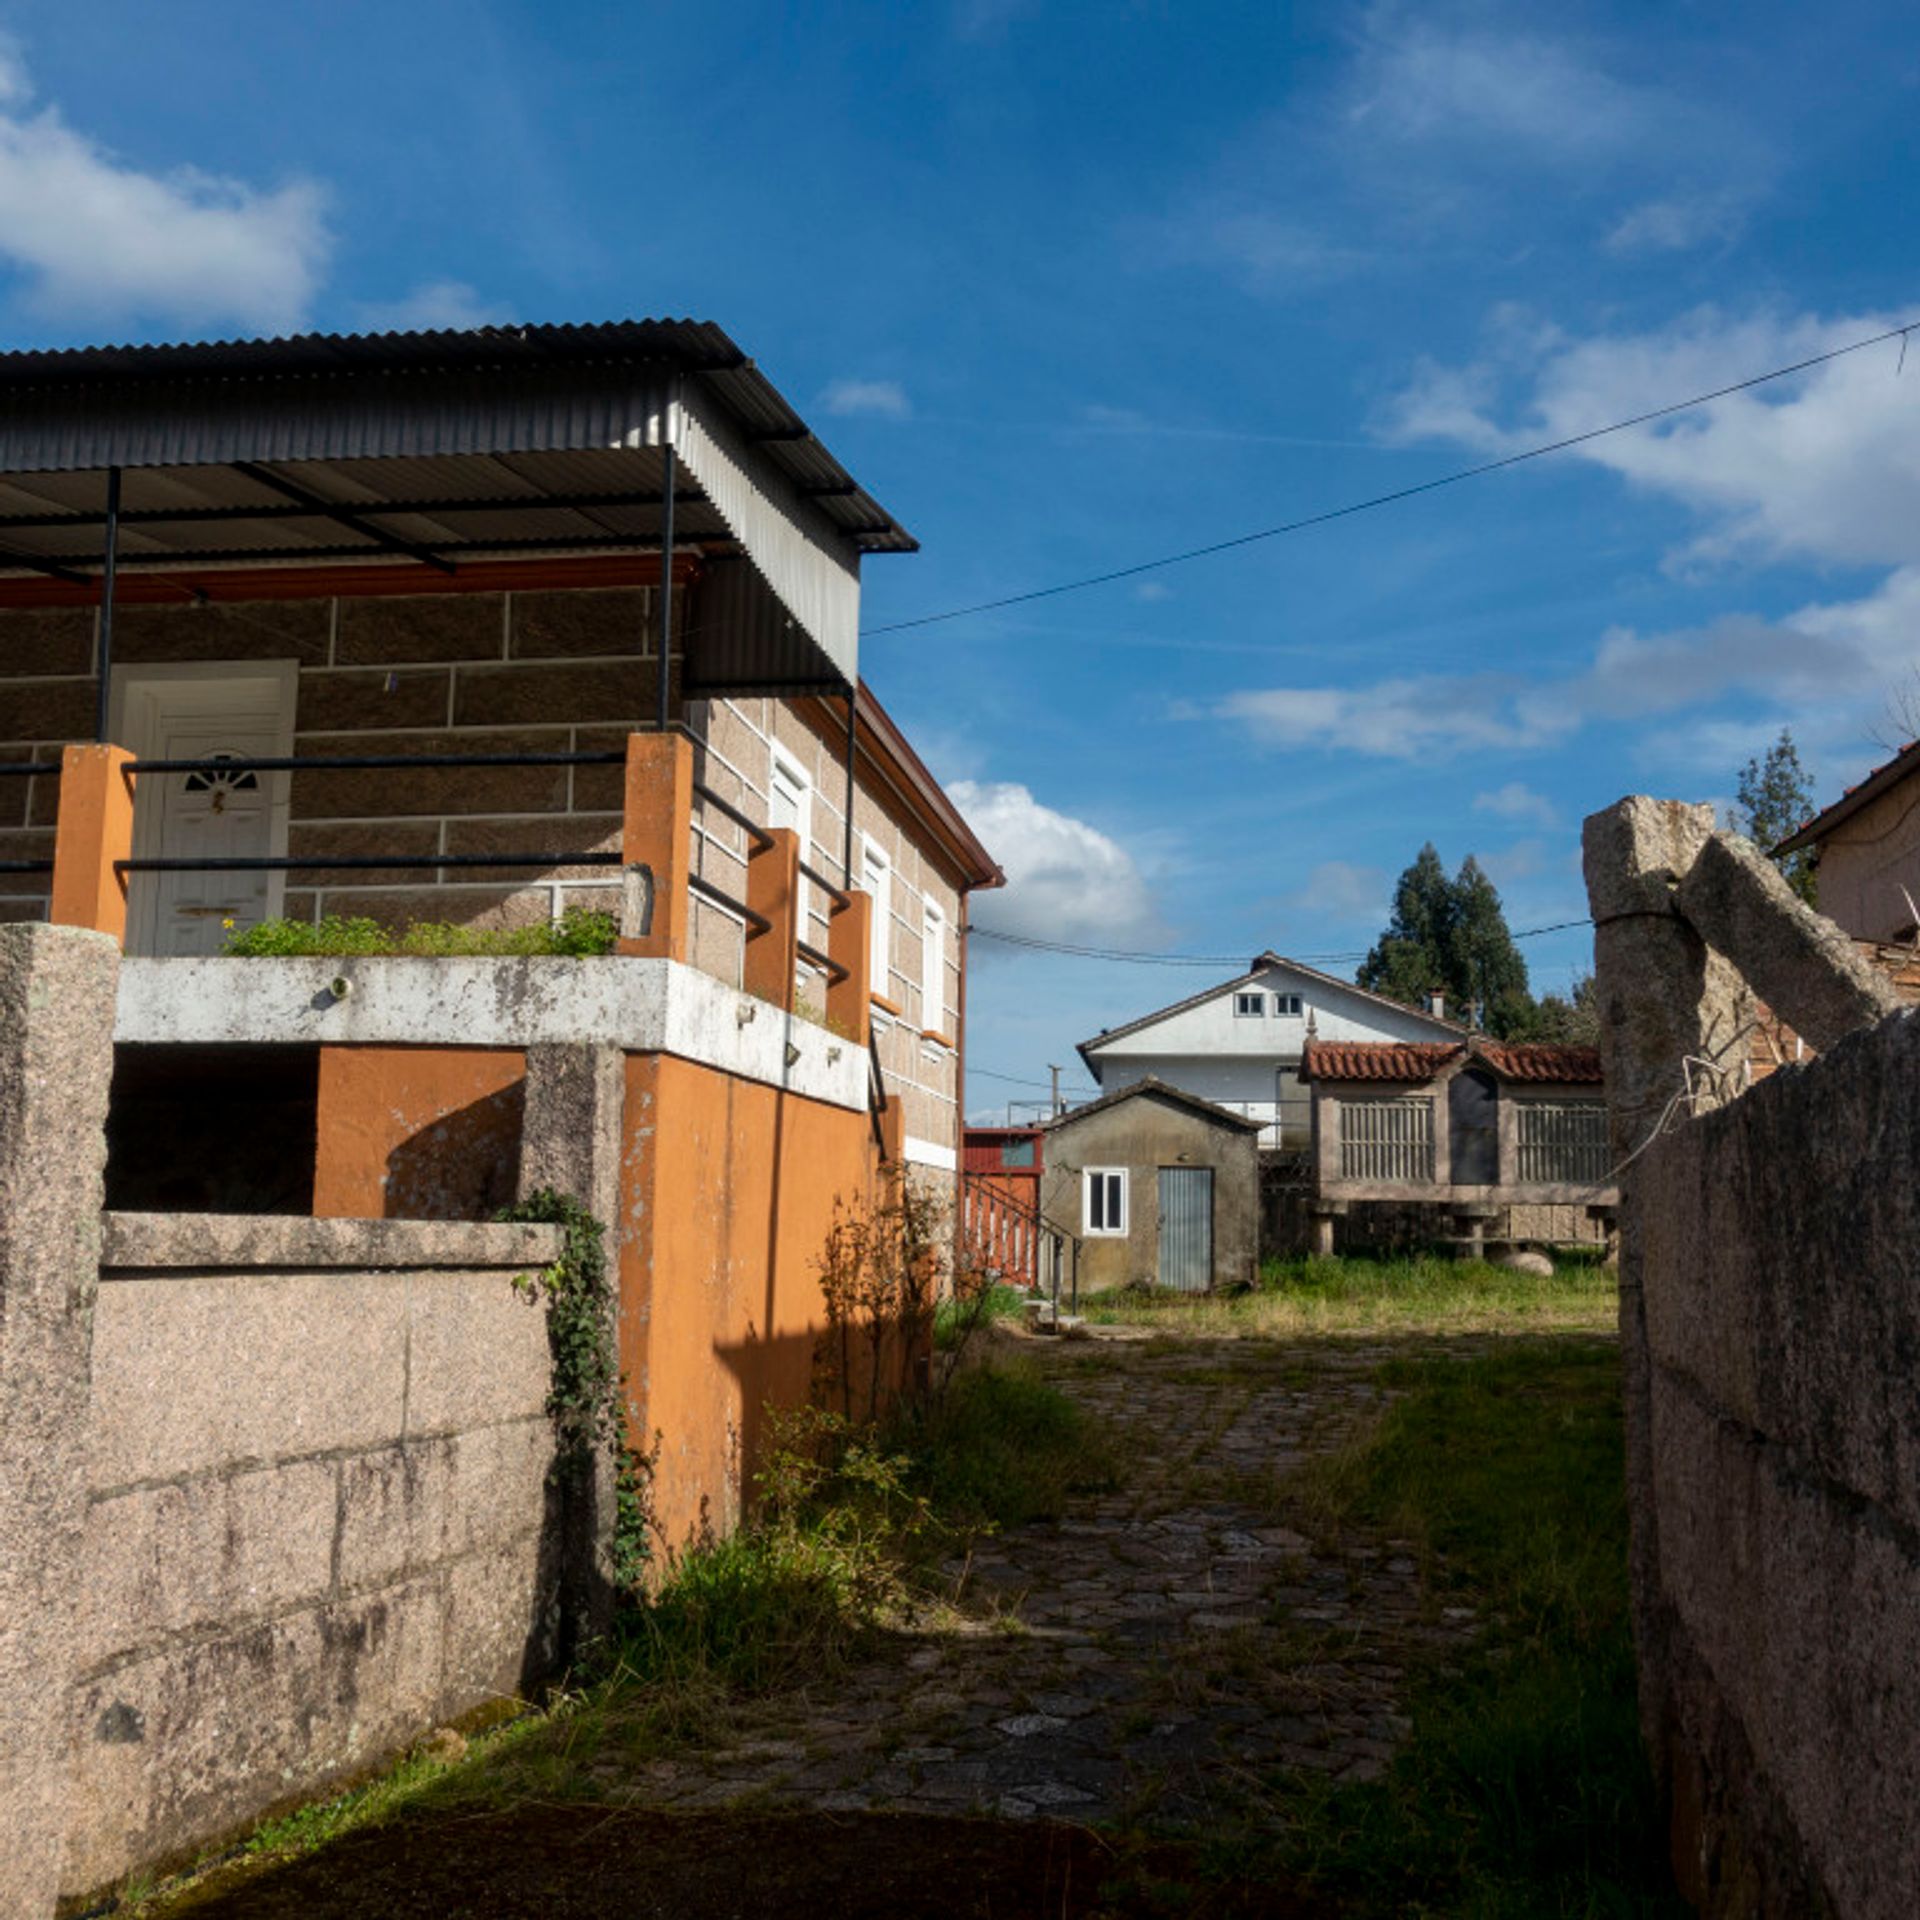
<point>519,389</point>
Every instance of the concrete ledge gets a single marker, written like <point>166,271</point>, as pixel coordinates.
<point>640,1005</point>
<point>211,1242</point>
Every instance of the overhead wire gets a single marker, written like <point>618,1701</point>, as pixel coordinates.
<point>1367,505</point>
<point>1141,959</point>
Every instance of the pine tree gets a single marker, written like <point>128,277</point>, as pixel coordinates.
<point>1774,796</point>
<point>1451,934</point>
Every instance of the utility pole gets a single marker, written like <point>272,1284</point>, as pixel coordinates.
<point>1057,1108</point>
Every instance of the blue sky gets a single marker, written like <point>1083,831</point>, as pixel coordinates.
<point>1072,286</point>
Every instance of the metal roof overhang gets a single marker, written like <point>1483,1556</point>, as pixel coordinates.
<point>424,452</point>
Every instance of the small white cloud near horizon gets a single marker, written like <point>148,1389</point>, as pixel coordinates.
<point>1066,880</point>
<point>93,238</point>
<point>432,306</point>
<point>1517,801</point>
<point>1153,590</point>
<point>878,399</point>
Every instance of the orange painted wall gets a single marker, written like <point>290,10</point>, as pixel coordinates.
<point>728,1188</point>
<point>418,1133</point>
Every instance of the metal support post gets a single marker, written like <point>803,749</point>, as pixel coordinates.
<point>666,571</point>
<point>107,566</point>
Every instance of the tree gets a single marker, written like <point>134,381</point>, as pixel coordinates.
<point>1451,935</point>
<point>1568,1020</point>
<point>1774,796</point>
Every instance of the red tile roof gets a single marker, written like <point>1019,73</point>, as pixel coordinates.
<point>1403,1061</point>
<point>1375,1059</point>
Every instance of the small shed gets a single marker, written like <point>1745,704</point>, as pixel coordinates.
<point>1160,1185</point>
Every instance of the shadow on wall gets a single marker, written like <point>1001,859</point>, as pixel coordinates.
<point>465,1165</point>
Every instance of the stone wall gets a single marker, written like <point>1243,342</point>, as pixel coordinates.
<point>1770,1325</point>
<point>318,1516</point>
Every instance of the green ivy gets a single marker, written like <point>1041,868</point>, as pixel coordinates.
<point>587,1400</point>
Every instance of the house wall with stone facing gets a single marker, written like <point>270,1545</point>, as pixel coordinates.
<point>553,670</point>
<point>318,1519</point>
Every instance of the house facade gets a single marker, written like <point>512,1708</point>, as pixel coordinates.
<point>1867,846</point>
<point>1478,1141</point>
<point>1159,1188</point>
<point>472,628</point>
<point>1240,1045</point>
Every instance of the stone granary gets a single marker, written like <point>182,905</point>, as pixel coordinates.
<point>463,627</point>
<point>1478,1141</point>
<point>1161,1188</point>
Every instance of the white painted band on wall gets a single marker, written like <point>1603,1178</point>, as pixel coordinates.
<point>929,1153</point>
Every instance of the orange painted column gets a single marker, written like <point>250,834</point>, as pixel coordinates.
<point>773,888</point>
<point>850,945</point>
<point>658,834</point>
<point>95,829</point>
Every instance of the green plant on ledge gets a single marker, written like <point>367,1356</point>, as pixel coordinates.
<point>587,1401</point>
<point>580,932</point>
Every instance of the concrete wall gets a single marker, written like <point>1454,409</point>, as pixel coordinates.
<point>728,1192</point>
<point>1144,1134</point>
<point>1783,1328</point>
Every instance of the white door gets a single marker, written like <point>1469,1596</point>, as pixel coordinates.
<point>208,814</point>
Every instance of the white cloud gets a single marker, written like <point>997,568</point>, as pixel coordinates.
<point>98,239</point>
<point>1425,717</point>
<point>1066,880</point>
<point>1677,224</point>
<point>1824,466</point>
<point>1340,891</point>
<point>433,305</point>
<point>884,399</point>
<point>1516,801</point>
<point>1521,861</point>
<point>1421,81</point>
<point>1153,590</point>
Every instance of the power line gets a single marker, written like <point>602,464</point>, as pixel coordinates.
<point>1017,1080</point>
<point>1237,961</point>
<point>1400,493</point>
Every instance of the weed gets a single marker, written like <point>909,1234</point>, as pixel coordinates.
<point>580,932</point>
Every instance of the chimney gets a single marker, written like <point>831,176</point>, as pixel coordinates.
<point>1436,1003</point>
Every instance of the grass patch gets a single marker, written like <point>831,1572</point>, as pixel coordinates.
<point>581,932</point>
<point>956,1320</point>
<point>1523,1791</point>
<point>1002,1447</point>
<point>1314,1296</point>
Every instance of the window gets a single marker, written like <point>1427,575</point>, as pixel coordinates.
<point>933,969</point>
<point>875,872</point>
<point>1103,1200</point>
<point>1249,1006</point>
<point>1016,1153</point>
<point>1286,1006</point>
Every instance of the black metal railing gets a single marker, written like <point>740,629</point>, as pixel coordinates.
<point>27,770</point>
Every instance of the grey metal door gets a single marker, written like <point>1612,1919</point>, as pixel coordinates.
<point>1186,1228</point>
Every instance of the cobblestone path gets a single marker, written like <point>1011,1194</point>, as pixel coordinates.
<point>1162,1652</point>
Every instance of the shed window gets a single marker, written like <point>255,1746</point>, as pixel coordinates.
<point>1016,1153</point>
<point>1249,1006</point>
<point>1104,1199</point>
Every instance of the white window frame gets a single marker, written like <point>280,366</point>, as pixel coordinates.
<point>1088,1175</point>
<point>1288,1006</point>
<point>876,878</point>
<point>933,968</point>
<point>1243,1011</point>
<point>784,770</point>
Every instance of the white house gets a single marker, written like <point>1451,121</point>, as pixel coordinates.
<point>1239,1044</point>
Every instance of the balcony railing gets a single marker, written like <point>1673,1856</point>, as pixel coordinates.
<point>93,860</point>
